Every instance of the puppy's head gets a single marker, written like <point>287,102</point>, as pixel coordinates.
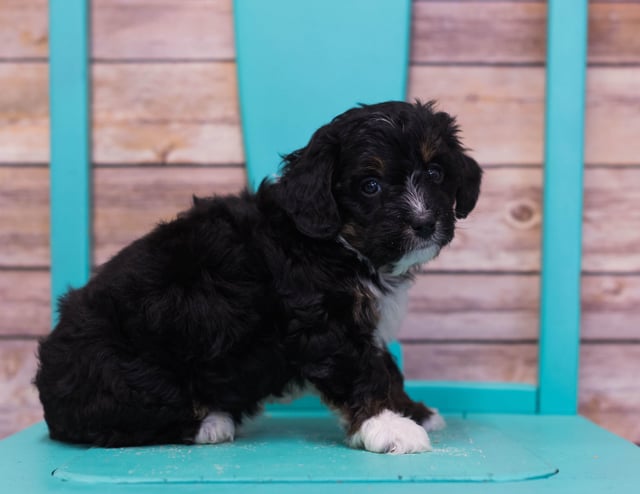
<point>389,178</point>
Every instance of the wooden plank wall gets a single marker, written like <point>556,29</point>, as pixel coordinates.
<point>166,125</point>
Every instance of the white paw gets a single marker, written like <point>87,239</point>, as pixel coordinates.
<point>435,422</point>
<point>389,432</point>
<point>216,428</point>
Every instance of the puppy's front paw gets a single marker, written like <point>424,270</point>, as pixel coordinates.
<point>389,432</point>
<point>216,428</point>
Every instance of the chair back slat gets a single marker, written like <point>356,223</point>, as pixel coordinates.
<point>562,206</point>
<point>302,63</point>
<point>70,166</point>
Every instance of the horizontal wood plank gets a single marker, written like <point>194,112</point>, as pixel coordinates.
<point>24,113</point>
<point>153,113</point>
<point>442,307</point>
<point>24,31</point>
<point>18,365</point>
<point>24,302</point>
<point>502,234</point>
<point>444,32</point>
<point>505,307</point>
<point>146,114</point>
<point>188,112</point>
<point>608,387</point>
<point>124,199</point>
<point>24,217</point>
<point>160,30</point>
<point>515,33</point>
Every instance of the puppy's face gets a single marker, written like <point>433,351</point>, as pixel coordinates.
<point>390,179</point>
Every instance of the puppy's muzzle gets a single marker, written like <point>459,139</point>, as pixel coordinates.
<point>424,227</point>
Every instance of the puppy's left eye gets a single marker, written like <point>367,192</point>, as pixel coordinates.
<point>435,173</point>
<point>370,187</point>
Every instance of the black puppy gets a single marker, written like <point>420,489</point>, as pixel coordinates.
<point>194,326</point>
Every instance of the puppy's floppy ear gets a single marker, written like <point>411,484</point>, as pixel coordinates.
<point>305,189</point>
<point>469,187</point>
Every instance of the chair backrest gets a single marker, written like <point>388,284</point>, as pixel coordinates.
<point>299,64</point>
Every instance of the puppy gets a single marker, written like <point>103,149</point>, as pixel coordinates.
<point>191,328</point>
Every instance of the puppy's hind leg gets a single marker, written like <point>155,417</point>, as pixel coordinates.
<point>216,427</point>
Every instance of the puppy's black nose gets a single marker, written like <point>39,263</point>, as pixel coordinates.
<point>424,228</point>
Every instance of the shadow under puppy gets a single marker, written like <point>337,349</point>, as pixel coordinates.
<point>192,327</point>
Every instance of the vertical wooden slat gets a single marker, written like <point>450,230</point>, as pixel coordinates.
<point>562,207</point>
<point>302,63</point>
<point>70,155</point>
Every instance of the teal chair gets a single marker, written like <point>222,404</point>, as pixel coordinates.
<point>501,437</point>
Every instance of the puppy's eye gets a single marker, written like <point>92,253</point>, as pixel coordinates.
<point>370,187</point>
<point>435,173</point>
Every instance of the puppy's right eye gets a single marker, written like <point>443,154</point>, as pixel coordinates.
<point>370,187</point>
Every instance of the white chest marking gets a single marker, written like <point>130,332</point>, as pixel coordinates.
<point>392,308</point>
<point>415,258</point>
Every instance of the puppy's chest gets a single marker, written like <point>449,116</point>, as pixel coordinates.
<point>389,308</point>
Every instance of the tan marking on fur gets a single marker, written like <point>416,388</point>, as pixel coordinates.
<point>378,165</point>
<point>364,306</point>
<point>428,150</point>
<point>348,231</point>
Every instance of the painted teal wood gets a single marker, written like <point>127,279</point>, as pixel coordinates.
<point>448,397</point>
<point>310,449</point>
<point>588,459</point>
<point>562,206</point>
<point>475,397</point>
<point>302,63</point>
<point>70,142</point>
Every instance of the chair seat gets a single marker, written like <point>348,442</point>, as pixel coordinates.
<point>283,452</point>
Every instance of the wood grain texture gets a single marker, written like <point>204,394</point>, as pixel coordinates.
<point>18,366</point>
<point>24,113</point>
<point>157,30</point>
<point>166,113</point>
<point>442,307</point>
<point>188,112</point>
<point>130,202</point>
<point>444,32</point>
<point>503,234</point>
<point>24,32</point>
<point>450,306</point>
<point>494,32</point>
<point>24,303</point>
<point>515,32</point>
<point>24,216</point>
<point>608,394</point>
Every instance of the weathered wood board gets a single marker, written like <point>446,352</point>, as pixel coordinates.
<point>503,234</point>
<point>444,32</point>
<point>442,306</point>
<point>187,112</point>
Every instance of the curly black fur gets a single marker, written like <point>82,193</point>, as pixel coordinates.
<point>244,297</point>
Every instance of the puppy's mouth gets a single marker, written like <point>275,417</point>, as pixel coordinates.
<point>419,250</point>
<point>413,259</point>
